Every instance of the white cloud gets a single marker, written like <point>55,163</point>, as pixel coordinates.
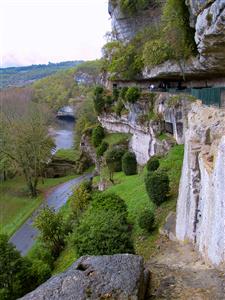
<point>38,31</point>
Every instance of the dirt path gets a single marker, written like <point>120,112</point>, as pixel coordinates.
<point>25,236</point>
<point>177,272</point>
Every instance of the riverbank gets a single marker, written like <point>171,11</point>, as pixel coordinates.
<point>16,205</point>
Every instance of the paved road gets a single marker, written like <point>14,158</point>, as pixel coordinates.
<point>25,236</point>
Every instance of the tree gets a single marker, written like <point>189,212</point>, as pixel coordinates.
<point>52,230</point>
<point>25,141</point>
<point>129,163</point>
<point>14,271</point>
<point>99,101</point>
<point>97,135</point>
<point>113,158</point>
<point>79,200</point>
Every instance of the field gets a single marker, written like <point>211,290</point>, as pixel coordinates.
<point>16,206</point>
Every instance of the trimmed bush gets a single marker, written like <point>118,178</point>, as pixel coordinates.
<point>110,202</point>
<point>103,229</point>
<point>146,220</point>
<point>157,186</point>
<point>102,148</point>
<point>97,135</point>
<point>132,94</point>
<point>129,163</point>
<point>113,158</point>
<point>152,164</point>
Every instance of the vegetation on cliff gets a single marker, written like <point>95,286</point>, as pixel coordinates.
<point>171,39</point>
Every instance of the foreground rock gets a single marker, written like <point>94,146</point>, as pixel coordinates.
<point>119,276</point>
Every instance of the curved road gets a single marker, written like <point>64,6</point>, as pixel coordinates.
<point>25,236</point>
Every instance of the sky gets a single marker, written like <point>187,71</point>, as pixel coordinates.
<point>42,31</point>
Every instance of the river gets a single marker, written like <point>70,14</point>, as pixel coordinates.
<point>63,133</point>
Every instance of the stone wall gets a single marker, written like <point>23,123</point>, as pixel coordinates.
<point>201,202</point>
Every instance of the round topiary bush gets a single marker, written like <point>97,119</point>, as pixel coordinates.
<point>146,219</point>
<point>132,95</point>
<point>157,186</point>
<point>152,164</point>
<point>129,163</point>
<point>97,135</point>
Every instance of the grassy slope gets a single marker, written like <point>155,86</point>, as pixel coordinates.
<point>117,138</point>
<point>132,190</point>
<point>16,206</point>
<point>69,154</point>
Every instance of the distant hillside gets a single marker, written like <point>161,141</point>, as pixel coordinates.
<point>20,76</point>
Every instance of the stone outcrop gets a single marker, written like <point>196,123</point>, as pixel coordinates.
<point>120,276</point>
<point>201,202</point>
<point>59,167</point>
<point>125,26</point>
<point>145,141</point>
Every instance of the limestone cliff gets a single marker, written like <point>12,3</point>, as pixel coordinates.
<point>168,117</point>
<point>207,17</point>
<point>201,203</point>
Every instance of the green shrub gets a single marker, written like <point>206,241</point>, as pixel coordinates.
<point>152,164</point>
<point>123,92</point>
<point>132,94</point>
<point>102,148</point>
<point>156,52</point>
<point>99,101</point>
<point>157,186</point>
<point>129,163</point>
<point>103,230</point>
<point>97,135</point>
<point>119,107</point>
<point>146,219</point>
<point>114,159</point>
<point>41,271</point>
<point>110,202</point>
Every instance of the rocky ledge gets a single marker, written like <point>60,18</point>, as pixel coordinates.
<point>120,276</point>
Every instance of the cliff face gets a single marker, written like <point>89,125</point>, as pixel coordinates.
<point>208,19</point>
<point>145,141</point>
<point>201,203</point>
<point>125,26</point>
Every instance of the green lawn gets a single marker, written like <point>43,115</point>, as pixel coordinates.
<point>117,138</point>
<point>70,154</point>
<point>16,206</point>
